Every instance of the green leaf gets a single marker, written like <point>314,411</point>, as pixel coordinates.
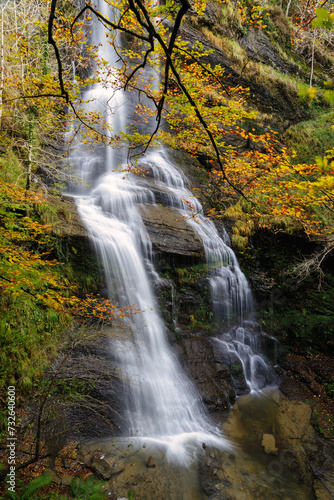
<point>322,16</point>
<point>322,13</point>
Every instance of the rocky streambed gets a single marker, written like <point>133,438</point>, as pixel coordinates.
<point>273,453</point>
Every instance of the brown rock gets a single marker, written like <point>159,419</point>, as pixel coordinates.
<point>269,444</point>
<point>149,462</point>
<point>51,473</point>
<point>170,233</point>
<point>66,479</point>
<point>106,466</point>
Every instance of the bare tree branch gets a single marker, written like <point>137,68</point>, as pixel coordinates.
<point>52,42</point>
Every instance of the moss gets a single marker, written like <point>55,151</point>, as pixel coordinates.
<point>311,138</point>
<point>299,313</point>
<point>186,297</point>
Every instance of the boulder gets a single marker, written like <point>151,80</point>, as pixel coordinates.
<point>66,479</point>
<point>53,476</point>
<point>170,233</point>
<point>106,466</point>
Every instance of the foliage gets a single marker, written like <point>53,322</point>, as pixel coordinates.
<point>89,489</point>
<point>27,491</point>
<point>40,295</point>
<point>310,138</point>
<point>201,109</point>
<point>32,289</point>
<point>252,14</point>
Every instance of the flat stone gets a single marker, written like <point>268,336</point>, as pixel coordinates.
<point>219,486</point>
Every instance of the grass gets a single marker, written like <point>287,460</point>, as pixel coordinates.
<point>233,50</point>
<point>258,72</point>
<point>311,138</point>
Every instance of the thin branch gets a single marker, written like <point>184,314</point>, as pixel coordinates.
<point>52,42</point>
<point>62,96</point>
<point>141,65</point>
<point>203,66</point>
<point>108,23</point>
<point>23,289</point>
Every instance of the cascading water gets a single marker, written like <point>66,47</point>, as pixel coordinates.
<point>162,404</point>
<point>231,295</point>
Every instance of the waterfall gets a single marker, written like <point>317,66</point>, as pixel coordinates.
<point>162,405</point>
<point>241,339</point>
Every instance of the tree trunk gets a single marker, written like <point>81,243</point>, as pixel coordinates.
<point>312,61</point>
<point>288,8</point>
<point>2,60</point>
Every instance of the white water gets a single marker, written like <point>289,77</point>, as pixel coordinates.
<point>231,295</point>
<point>161,403</point>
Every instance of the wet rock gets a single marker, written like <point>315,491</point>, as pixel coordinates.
<point>259,48</point>
<point>216,392</point>
<point>237,374</point>
<point>149,462</point>
<point>170,233</point>
<point>308,454</point>
<point>269,445</point>
<point>106,466</point>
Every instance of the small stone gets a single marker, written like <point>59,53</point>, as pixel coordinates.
<point>106,466</point>
<point>66,480</point>
<point>208,463</point>
<point>215,471</point>
<point>220,474</point>
<point>212,455</point>
<point>241,488</point>
<point>269,444</point>
<point>51,473</point>
<point>203,446</point>
<point>149,462</point>
<point>219,486</point>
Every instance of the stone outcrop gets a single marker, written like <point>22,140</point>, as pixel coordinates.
<point>212,379</point>
<point>275,100</point>
<point>259,48</point>
<point>269,444</point>
<point>289,445</point>
<point>139,478</point>
<point>65,219</point>
<point>169,232</point>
